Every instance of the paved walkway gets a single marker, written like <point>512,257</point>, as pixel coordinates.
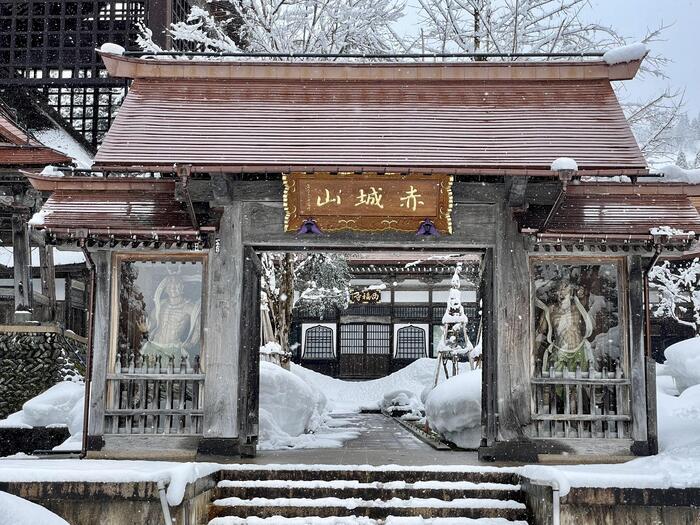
<point>382,441</point>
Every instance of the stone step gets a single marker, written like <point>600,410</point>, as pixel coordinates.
<point>444,490</point>
<point>368,474</point>
<point>374,509</point>
<point>361,520</point>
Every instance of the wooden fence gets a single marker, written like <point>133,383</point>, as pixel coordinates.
<point>581,403</point>
<point>155,396</point>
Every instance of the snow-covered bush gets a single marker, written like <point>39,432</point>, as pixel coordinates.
<point>404,403</point>
<point>62,404</point>
<point>683,363</point>
<point>453,409</point>
<point>289,406</point>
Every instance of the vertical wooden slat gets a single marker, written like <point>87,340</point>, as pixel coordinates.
<point>47,273</point>
<point>21,253</point>
<point>567,402</point>
<point>579,401</point>
<point>637,362</point>
<point>101,339</point>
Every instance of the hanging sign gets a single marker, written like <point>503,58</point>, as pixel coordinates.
<point>365,296</point>
<point>367,202</point>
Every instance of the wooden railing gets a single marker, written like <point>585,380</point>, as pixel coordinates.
<point>155,396</point>
<point>581,403</point>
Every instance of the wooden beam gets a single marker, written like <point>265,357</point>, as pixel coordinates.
<point>489,340</point>
<point>47,273</point>
<point>22,263</point>
<point>160,15</point>
<point>516,190</point>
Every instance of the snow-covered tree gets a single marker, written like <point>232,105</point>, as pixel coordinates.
<point>681,161</point>
<point>696,163</point>
<point>289,26</point>
<point>320,280</point>
<point>679,289</point>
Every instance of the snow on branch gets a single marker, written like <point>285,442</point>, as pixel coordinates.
<point>679,289</point>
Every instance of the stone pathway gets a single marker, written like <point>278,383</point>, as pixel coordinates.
<point>381,442</point>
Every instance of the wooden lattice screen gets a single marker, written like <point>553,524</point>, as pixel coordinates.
<point>581,403</point>
<point>155,396</point>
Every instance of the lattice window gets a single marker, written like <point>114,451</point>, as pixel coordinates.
<point>378,339</point>
<point>352,339</point>
<point>318,343</point>
<point>410,343</point>
<point>411,312</point>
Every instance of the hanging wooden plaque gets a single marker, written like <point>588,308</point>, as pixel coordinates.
<point>367,202</point>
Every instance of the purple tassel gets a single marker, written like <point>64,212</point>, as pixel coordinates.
<point>427,227</point>
<point>309,226</point>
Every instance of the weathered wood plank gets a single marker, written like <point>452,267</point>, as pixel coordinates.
<point>637,362</point>
<point>512,319</point>
<point>47,272</point>
<point>101,338</point>
<point>516,190</point>
<point>222,328</point>
<point>249,375</point>
<point>489,340</point>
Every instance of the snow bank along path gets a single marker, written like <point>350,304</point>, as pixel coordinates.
<point>18,511</point>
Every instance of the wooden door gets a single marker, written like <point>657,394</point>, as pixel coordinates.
<point>249,363</point>
<point>364,350</point>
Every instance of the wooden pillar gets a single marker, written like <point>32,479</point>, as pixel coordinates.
<point>638,396</point>
<point>489,359</point>
<point>47,272</point>
<point>511,329</point>
<point>68,302</point>
<point>22,269</point>
<point>100,343</point>
<point>222,336</point>
<point>160,14</point>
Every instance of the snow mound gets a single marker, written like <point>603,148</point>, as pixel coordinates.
<point>683,363</point>
<point>564,163</point>
<point>289,401</point>
<point>55,406</point>
<point>354,396</point>
<point>112,49</point>
<point>673,173</point>
<point>18,511</point>
<point>402,403</point>
<point>453,409</point>
<point>628,53</point>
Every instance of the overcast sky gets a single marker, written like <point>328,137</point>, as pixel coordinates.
<point>632,18</point>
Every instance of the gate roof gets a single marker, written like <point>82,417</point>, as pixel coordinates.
<point>461,118</point>
<point>18,148</point>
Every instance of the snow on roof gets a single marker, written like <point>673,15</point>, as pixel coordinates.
<point>114,49</point>
<point>564,163</point>
<point>60,140</point>
<point>628,53</point>
<point>673,173</point>
<point>59,257</point>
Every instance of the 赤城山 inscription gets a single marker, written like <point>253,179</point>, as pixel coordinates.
<point>368,202</point>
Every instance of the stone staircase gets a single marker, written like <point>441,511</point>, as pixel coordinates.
<point>366,496</point>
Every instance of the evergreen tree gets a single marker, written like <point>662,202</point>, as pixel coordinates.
<point>681,161</point>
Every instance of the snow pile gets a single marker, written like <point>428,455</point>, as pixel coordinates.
<point>51,171</point>
<point>293,413</point>
<point>628,53</point>
<point>354,396</point>
<point>60,405</point>
<point>453,409</point>
<point>402,403</point>
<point>664,381</point>
<point>564,163</point>
<point>674,173</point>
<point>112,49</point>
<point>683,363</point>
<point>18,511</point>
